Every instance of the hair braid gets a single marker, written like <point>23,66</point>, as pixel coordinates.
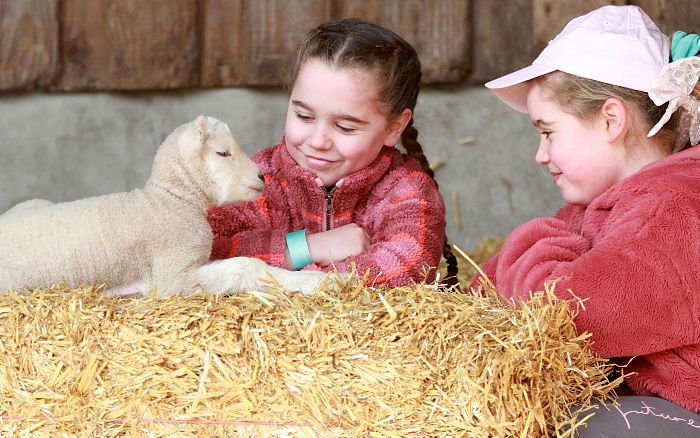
<point>409,141</point>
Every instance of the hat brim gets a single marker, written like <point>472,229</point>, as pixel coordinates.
<point>512,88</point>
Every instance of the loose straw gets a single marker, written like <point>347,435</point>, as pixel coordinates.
<point>349,360</point>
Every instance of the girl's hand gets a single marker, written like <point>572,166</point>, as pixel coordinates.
<point>337,244</point>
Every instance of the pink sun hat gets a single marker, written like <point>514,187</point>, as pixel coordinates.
<point>618,45</point>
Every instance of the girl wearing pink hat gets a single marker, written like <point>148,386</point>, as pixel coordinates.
<point>618,117</point>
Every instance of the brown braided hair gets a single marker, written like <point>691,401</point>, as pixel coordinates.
<point>353,43</point>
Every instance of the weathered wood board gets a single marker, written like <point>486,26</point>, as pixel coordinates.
<point>74,45</point>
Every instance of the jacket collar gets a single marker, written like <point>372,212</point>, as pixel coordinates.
<point>351,188</point>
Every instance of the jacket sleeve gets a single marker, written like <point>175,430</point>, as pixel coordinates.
<point>252,229</point>
<point>568,221</point>
<point>407,232</point>
<point>637,274</point>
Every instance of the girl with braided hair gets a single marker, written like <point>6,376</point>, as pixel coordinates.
<point>337,190</point>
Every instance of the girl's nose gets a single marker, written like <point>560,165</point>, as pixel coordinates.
<point>542,155</point>
<point>319,138</point>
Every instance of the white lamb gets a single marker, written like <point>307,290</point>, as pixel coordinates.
<point>155,237</point>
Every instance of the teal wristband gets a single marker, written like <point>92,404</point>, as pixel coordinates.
<point>298,249</point>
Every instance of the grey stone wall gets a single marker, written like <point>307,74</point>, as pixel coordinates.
<point>63,147</point>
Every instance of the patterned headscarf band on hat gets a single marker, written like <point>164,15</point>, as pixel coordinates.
<point>684,45</point>
<point>675,85</point>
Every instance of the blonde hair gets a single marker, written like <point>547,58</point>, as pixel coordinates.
<point>584,98</point>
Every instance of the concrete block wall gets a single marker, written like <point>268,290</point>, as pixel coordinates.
<point>63,147</point>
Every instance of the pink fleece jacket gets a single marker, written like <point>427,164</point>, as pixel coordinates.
<point>393,200</point>
<point>633,256</point>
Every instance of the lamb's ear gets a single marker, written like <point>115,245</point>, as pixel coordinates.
<point>193,139</point>
<point>201,123</point>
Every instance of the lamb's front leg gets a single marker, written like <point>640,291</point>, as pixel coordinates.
<point>238,274</point>
<point>134,290</point>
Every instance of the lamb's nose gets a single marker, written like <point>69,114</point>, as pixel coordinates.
<point>262,178</point>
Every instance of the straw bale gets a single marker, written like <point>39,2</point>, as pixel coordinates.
<point>350,360</point>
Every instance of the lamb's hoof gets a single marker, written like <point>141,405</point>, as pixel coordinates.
<point>239,274</point>
<point>232,276</point>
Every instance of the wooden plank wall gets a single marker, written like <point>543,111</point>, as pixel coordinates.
<point>75,45</point>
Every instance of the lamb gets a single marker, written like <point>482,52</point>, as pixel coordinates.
<point>154,237</point>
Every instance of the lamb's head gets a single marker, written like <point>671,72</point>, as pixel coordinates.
<point>211,155</point>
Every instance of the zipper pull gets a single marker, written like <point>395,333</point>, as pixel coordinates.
<point>329,201</point>
<point>328,194</point>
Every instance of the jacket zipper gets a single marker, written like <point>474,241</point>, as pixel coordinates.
<point>328,194</point>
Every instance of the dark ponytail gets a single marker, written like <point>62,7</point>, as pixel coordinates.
<point>414,149</point>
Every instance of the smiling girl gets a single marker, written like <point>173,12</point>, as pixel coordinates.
<point>617,126</point>
<point>337,190</point>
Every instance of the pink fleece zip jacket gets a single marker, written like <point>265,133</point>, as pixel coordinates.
<point>393,200</point>
<point>633,256</point>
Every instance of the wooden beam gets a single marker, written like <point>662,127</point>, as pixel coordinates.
<point>254,42</point>
<point>503,40</point>
<point>674,15</point>
<point>28,43</point>
<point>129,45</point>
<point>440,31</point>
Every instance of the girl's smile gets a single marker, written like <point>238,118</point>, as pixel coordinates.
<point>318,163</point>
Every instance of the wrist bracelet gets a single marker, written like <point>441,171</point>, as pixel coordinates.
<point>298,249</point>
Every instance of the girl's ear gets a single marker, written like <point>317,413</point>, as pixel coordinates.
<point>396,127</point>
<point>615,116</point>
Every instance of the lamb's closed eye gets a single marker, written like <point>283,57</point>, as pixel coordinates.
<point>224,154</point>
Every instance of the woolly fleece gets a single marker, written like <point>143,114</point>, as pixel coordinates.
<point>157,236</point>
